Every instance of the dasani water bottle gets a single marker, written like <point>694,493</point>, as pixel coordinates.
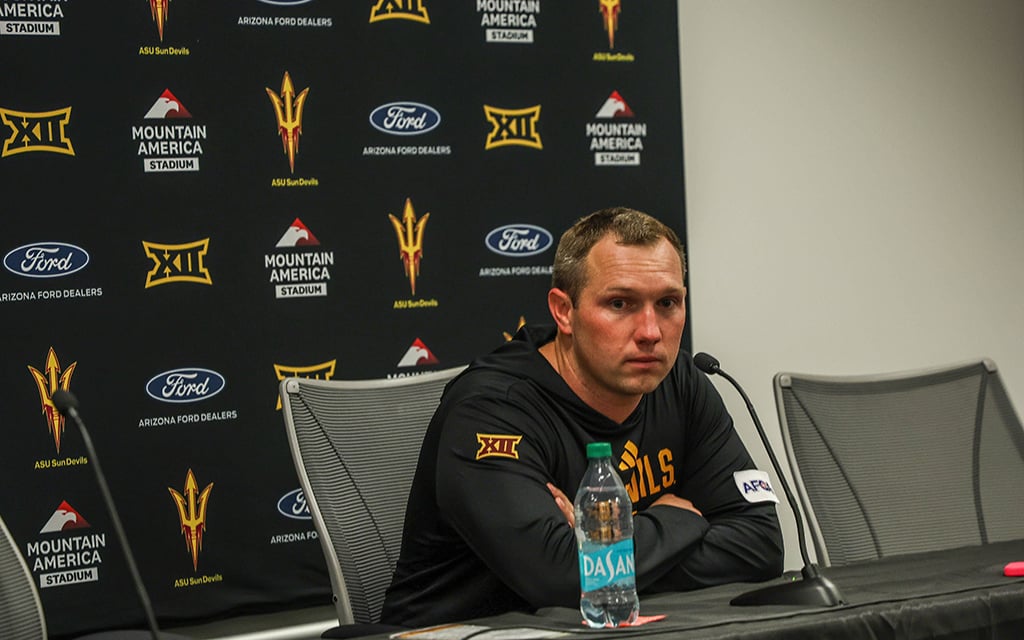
<point>604,535</point>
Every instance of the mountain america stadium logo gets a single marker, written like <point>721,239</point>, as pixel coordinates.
<point>64,518</point>
<point>168,140</point>
<point>417,355</point>
<point>615,137</point>
<point>167,107</point>
<point>68,550</point>
<point>297,235</point>
<point>299,267</point>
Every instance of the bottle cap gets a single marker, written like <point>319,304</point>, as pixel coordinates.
<point>599,450</point>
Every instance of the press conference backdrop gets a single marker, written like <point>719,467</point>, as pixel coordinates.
<point>201,198</point>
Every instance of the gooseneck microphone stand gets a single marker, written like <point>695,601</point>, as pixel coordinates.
<point>67,404</point>
<point>814,589</point>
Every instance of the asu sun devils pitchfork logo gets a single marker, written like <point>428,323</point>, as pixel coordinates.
<point>159,10</point>
<point>192,514</point>
<point>610,16</point>
<point>410,240</point>
<point>47,382</point>
<point>288,109</point>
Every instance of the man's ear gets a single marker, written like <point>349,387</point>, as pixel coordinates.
<point>560,306</point>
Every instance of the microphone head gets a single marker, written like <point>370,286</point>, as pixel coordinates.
<point>707,363</point>
<point>65,401</point>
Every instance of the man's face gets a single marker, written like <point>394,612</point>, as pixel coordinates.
<point>628,321</point>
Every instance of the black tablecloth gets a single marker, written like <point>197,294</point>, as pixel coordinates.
<point>948,595</point>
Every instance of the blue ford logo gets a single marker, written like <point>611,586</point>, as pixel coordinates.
<point>518,240</point>
<point>185,385</point>
<point>405,118</point>
<point>293,505</point>
<point>46,260</point>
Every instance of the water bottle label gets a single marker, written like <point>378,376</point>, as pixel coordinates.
<point>607,565</point>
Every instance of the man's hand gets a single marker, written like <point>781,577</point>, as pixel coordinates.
<point>566,507</point>
<point>564,504</point>
<point>672,500</point>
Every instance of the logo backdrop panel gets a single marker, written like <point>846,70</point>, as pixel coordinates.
<point>203,198</point>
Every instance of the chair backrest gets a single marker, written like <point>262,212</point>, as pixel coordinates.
<point>904,463</point>
<point>355,445</point>
<point>21,612</point>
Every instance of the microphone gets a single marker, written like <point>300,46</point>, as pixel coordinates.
<point>67,404</point>
<point>815,589</point>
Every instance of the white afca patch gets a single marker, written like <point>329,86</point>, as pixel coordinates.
<point>755,486</point>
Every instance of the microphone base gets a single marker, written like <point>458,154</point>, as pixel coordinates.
<point>816,591</point>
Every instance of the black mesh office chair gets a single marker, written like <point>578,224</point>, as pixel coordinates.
<point>904,463</point>
<point>355,445</point>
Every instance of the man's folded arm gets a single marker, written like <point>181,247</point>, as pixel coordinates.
<point>504,511</point>
<point>744,539</point>
<point>738,547</point>
<point>512,523</point>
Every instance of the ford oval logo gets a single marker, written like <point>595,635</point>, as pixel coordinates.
<point>293,505</point>
<point>405,118</point>
<point>46,260</point>
<point>518,240</point>
<point>185,385</point>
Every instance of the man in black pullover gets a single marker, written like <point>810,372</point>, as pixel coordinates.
<point>488,526</point>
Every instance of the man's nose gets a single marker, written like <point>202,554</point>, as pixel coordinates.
<point>648,329</point>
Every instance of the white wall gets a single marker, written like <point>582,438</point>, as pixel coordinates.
<point>855,189</point>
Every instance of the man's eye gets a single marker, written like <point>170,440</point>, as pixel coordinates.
<point>617,304</point>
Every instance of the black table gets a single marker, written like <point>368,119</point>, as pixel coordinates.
<point>945,595</point>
